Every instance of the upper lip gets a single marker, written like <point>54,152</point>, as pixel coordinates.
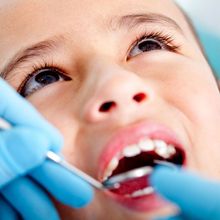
<point>131,135</point>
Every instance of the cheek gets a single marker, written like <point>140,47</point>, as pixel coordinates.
<point>194,93</point>
<point>53,103</point>
<point>189,89</point>
<point>186,84</point>
<point>56,104</point>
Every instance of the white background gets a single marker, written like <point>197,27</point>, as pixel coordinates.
<point>205,15</point>
<point>205,12</point>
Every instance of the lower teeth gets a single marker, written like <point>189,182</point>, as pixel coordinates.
<point>142,192</point>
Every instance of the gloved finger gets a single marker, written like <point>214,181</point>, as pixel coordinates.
<point>29,200</point>
<point>21,149</point>
<point>19,112</point>
<point>196,197</point>
<point>178,217</point>
<point>63,185</point>
<point>7,211</point>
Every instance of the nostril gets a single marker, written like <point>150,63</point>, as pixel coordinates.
<point>139,97</point>
<point>107,106</point>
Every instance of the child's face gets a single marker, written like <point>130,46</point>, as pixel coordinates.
<point>113,72</point>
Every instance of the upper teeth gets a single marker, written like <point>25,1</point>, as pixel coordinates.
<point>146,145</point>
<point>111,166</point>
<point>159,146</point>
<point>131,151</point>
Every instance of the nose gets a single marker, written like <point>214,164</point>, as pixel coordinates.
<point>108,106</point>
<point>117,96</point>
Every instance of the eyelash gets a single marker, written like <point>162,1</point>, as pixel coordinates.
<point>39,67</point>
<point>163,38</point>
<point>166,40</point>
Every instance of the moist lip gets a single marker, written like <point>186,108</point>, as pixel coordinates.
<point>129,136</point>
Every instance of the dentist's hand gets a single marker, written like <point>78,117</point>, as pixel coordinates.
<point>197,198</point>
<point>25,175</point>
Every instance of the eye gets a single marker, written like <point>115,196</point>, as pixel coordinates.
<point>40,79</point>
<point>151,42</point>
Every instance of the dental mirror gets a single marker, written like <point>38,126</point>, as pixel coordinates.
<point>116,180</point>
<point>109,184</point>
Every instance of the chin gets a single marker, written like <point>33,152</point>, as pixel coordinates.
<point>109,210</point>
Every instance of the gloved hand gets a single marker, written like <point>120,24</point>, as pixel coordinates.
<point>25,174</point>
<point>197,198</point>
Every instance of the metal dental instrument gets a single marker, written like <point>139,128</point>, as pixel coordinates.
<point>111,183</point>
<point>4,125</point>
<point>116,180</point>
<point>57,159</point>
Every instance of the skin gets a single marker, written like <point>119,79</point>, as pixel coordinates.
<point>181,91</point>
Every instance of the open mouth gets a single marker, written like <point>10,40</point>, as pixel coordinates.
<point>145,152</point>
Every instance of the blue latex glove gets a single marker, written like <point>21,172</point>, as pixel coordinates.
<point>25,174</point>
<point>197,198</point>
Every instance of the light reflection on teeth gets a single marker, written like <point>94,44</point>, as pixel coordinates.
<point>146,145</point>
<point>131,151</point>
<point>142,192</point>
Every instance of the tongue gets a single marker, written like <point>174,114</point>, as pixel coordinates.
<point>131,186</point>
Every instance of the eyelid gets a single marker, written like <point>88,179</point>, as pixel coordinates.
<point>36,68</point>
<point>156,35</point>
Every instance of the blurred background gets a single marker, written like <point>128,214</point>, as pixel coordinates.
<point>206,17</point>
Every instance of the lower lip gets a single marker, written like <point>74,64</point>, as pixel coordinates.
<point>147,203</point>
<point>143,203</point>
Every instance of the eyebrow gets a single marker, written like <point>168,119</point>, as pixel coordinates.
<point>47,46</point>
<point>132,20</point>
<point>29,53</point>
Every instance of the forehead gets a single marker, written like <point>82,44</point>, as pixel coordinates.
<point>95,7</point>
<point>51,15</point>
<point>26,22</point>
